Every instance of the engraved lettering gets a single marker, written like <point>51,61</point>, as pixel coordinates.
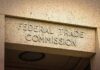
<point>44,34</point>
<point>28,37</point>
<point>30,27</point>
<point>35,38</point>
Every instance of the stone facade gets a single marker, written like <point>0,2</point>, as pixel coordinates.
<point>81,13</point>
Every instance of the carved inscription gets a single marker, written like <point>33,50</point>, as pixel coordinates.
<point>49,37</point>
<point>33,35</point>
<point>48,34</point>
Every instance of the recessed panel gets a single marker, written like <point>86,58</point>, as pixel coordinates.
<point>47,35</point>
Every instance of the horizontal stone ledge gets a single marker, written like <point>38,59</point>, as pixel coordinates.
<point>71,39</point>
<point>72,53</point>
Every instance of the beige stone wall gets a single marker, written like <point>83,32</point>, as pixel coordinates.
<point>2,40</point>
<point>81,12</point>
<point>76,12</point>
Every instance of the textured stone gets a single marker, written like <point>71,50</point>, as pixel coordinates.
<point>2,41</point>
<point>48,35</point>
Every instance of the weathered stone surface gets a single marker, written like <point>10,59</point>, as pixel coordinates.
<point>49,35</point>
<point>79,12</point>
<point>2,41</point>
